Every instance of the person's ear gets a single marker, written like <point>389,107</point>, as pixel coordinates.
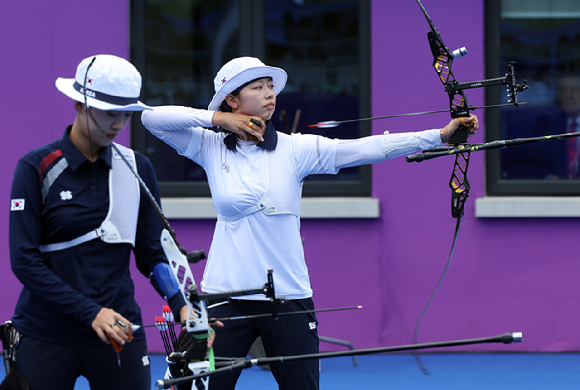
<point>232,101</point>
<point>78,106</point>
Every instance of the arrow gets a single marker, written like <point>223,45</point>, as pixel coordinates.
<point>329,124</point>
<point>213,320</point>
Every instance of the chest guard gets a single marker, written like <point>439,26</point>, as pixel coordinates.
<point>283,191</point>
<point>120,224</point>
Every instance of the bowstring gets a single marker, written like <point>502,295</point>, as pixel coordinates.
<point>87,106</point>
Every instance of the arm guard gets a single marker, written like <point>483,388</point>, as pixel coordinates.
<point>402,144</point>
<point>164,281</point>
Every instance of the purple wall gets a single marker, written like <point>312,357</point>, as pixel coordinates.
<point>506,275</point>
<point>38,44</point>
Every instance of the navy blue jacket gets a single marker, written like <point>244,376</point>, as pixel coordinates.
<point>64,290</point>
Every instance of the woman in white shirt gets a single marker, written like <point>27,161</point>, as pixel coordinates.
<point>255,176</point>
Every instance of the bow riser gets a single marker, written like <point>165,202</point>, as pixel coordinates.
<point>459,184</point>
<point>197,319</point>
<point>197,322</point>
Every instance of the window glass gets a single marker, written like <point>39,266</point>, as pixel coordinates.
<point>543,38</point>
<point>317,43</point>
<point>186,43</point>
<point>179,47</point>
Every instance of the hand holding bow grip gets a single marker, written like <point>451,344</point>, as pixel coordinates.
<point>461,134</point>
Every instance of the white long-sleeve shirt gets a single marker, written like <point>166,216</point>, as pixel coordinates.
<point>256,193</point>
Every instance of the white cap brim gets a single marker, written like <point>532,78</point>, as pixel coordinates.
<point>66,86</point>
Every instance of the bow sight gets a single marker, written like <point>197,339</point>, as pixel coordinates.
<point>459,105</point>
<point>453,86</point>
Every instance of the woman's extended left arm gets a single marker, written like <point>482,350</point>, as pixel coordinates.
<point>377,148</point>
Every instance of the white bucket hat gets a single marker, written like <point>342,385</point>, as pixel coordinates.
<point>113,84</point>
<point>240,71</point>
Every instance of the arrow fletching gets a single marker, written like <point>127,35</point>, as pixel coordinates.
<point>325,125</point>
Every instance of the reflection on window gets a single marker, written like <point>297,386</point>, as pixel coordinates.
<point>543,38</point>
<point>320,43</point>
<point>317,43</point>
<point>187,42</point>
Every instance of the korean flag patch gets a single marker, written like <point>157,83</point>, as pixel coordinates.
<point>16,204</point>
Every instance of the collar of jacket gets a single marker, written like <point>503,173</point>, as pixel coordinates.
<point>269,143</point>
<point>75,157</point>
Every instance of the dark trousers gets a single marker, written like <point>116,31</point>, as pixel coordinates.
<point>47,365</point>
<point>293,334</point>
